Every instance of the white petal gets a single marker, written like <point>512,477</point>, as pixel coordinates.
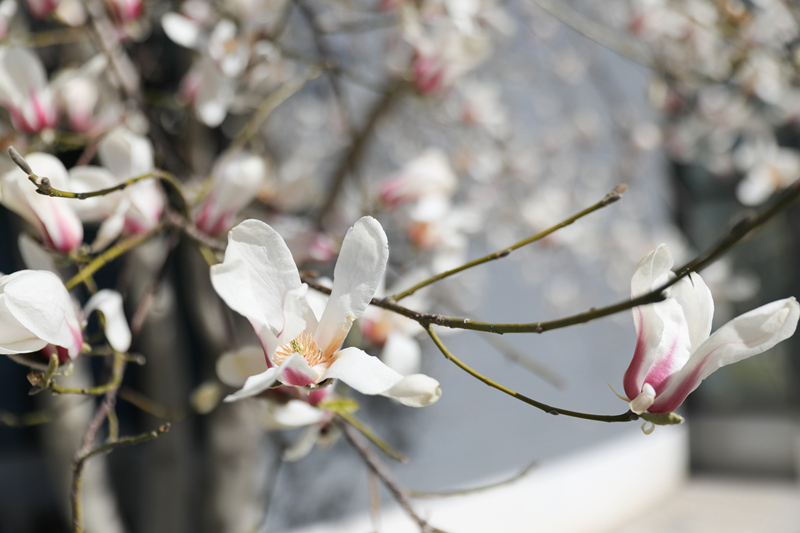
<point>358,273</point>
<point>257,272</point>
<point>255,384</point>
<point>745,336</point>
<point>233,368</point>
<point>416,390</point>
<point>117,331</point>
<point>651,271</point>
<point>363,372</point>
<point>295,371</point>
<point>41,303</point>
<point>694,297</point>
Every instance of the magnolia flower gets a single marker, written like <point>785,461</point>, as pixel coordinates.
<point>24,91</point>
<point>259,280</point>
<point>36,310</point>
<point>38,315</point>
<point>127,155</point>
<point>674,351</point>
<point>54,218</point>
<point>427,175</point>
<point>237,178</point>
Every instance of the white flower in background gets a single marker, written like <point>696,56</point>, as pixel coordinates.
<point>444,48</point>
<point>439,227</point>
<point>211,83</point>
<point>394,333</point>
<point>24,91</point>
<point>128,155</point>
<point>36,310</point>
<point>427,175</point>
<point>674,352</point>
<point>237,177</point>
<point>124,11</point>
<point>482,106</point>
<point>54,218</point>
<point>79,93</point>
<point>770,168</point>
<point>259,280</point>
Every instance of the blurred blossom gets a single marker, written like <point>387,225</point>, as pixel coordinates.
<point>24,91</point>
<point>482,106</point>
<point>41,8</point>
<point>128,155</point>
<point>237,177</point>
<point>429,174</point>
<point>54,218</point>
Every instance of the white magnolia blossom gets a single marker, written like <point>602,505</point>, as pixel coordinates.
<point>674,352</point>
<point>25,92</point>
<point>36,310</point>
<point>429,174</point>
<point>128,155</point>
<point>54,218</point>
<point>237,177</point>
<point>259,280</point>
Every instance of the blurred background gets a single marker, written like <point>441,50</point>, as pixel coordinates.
<point>463,126</point>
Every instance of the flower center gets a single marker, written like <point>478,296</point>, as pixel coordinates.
<point>306,346</point>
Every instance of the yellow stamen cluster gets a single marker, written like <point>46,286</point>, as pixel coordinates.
<point>306,346</point>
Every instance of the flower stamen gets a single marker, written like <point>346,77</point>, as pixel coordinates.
<point>306,346</point>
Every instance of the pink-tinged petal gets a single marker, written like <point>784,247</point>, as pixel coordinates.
<point>39,301</point>
<point>662,335</point>
<point>358,273</point>
<point>295,371</point>
<point>416,390</point>
<point>233,368</point>
<point>54,218</point>
<point>116,327</point>
<point>362,372</point>
<point>745,336</point>
<point>653,363</point>
<point>694,297</point>
<point>255,385</point>
<point>257,272</point>
<point>237,178</point>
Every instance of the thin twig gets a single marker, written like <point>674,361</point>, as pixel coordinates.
<point>84,455</point>
<point>516,477</point>
<point>356,150</point>
<point>624,417</point>
<point>609,199</point>
<point>374,464</point>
